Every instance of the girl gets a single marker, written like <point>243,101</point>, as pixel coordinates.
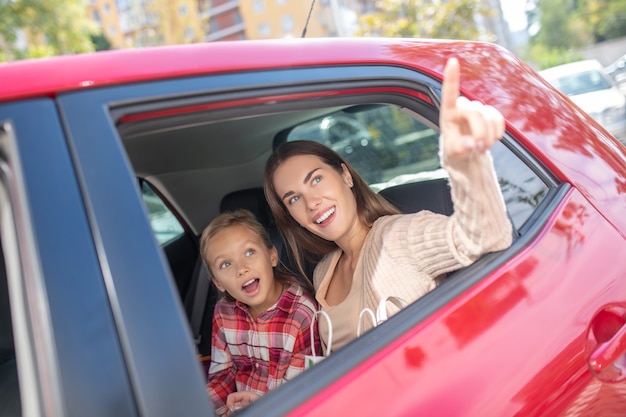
<point>369,251</point>
<point>261,326</point>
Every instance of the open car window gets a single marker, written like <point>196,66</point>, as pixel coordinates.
<point>202,150</point>
<point>165,225</point>
<point>384,143</point>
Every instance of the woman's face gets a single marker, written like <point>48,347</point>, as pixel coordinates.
<point>318,197</point>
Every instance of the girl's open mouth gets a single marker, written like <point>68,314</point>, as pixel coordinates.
<point>250,287</point>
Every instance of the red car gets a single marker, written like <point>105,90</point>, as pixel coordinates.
<point>113,163</point>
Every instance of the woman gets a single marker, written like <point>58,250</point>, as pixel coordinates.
<point>369,251</point>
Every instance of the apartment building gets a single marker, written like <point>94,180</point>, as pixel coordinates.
<point>263,19</point>
<point>221,20</point>
<point>104,14</point>
<point>283,19</point>
<point>134,23</point>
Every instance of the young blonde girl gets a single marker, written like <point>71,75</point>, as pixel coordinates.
<point>261,325</point>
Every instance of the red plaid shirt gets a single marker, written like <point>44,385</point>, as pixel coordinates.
<point>249,355</point>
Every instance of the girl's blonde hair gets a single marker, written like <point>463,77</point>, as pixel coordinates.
<point>245,218</point>
<point>306,246</point>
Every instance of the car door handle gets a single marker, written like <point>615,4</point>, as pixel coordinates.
<point>607,353</point>
<point>607,343</point>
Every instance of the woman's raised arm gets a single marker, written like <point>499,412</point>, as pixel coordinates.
<point>466,126</point>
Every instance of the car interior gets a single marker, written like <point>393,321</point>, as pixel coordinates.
<point>194,165</point>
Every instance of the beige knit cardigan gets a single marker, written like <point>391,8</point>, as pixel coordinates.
<point>403,255</point>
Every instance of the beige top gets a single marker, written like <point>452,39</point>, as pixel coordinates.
<point>404,254</point>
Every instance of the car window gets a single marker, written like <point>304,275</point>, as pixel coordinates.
<point>522,188</point>
<point>384,144</point>
<point>208,153</point>
<point>165,225</point>
<point>388,145</point>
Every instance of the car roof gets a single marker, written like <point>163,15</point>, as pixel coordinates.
<point>150,149</point>
<point>50,76</point>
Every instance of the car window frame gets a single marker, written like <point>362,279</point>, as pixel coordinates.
<point>154,333</point>
<point>127,101</point>
<point>46,317</point>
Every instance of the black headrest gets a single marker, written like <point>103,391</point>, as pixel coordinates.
<point>252,199</point>
<point>433,195</point>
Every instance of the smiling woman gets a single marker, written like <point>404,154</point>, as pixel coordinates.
<point>371,253</point>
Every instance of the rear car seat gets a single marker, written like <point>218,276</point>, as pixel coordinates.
<point>433,195</point>
<point>253,199</point>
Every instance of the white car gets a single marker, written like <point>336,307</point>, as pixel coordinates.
<point>588,85</point>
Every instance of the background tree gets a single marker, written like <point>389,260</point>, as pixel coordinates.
<point>560,28</point>
<point>178,21</point>
<point>453,19</point>
<point>100,42</point>
<point>39,28</point>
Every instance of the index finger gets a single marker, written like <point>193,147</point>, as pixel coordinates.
<point>450,89</point>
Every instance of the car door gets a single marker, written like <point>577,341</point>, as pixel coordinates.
<point>95,326</point>
<point>507,336</point>
<point>62,324</point>
<point>511,335</point>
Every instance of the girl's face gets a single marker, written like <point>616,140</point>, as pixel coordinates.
<point>318,197</point>
<point>242,265</point>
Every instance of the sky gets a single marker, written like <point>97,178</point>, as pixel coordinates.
<point>515,13</point>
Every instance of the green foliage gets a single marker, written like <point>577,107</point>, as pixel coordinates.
<point>453,19</point>
<point>564,26</point>
<point>100,42</point>
<point>560,26</point>
<point>607,18</point>
<point>44,28</point>
<point>544,57</point>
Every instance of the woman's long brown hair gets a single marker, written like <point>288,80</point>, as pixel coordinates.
<point>305,245</point>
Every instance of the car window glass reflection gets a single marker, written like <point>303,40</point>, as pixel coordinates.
<point>386,146</point>
<point>163,222</point>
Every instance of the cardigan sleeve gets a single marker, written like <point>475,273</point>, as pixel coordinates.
<point>438,244</point>
<point>480,223</point>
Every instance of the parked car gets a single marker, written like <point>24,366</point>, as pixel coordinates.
<point>617,70</point>
<point>112,163</point>
<point>588,85</point>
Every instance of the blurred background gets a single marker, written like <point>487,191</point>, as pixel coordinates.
<point>544,33</point>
